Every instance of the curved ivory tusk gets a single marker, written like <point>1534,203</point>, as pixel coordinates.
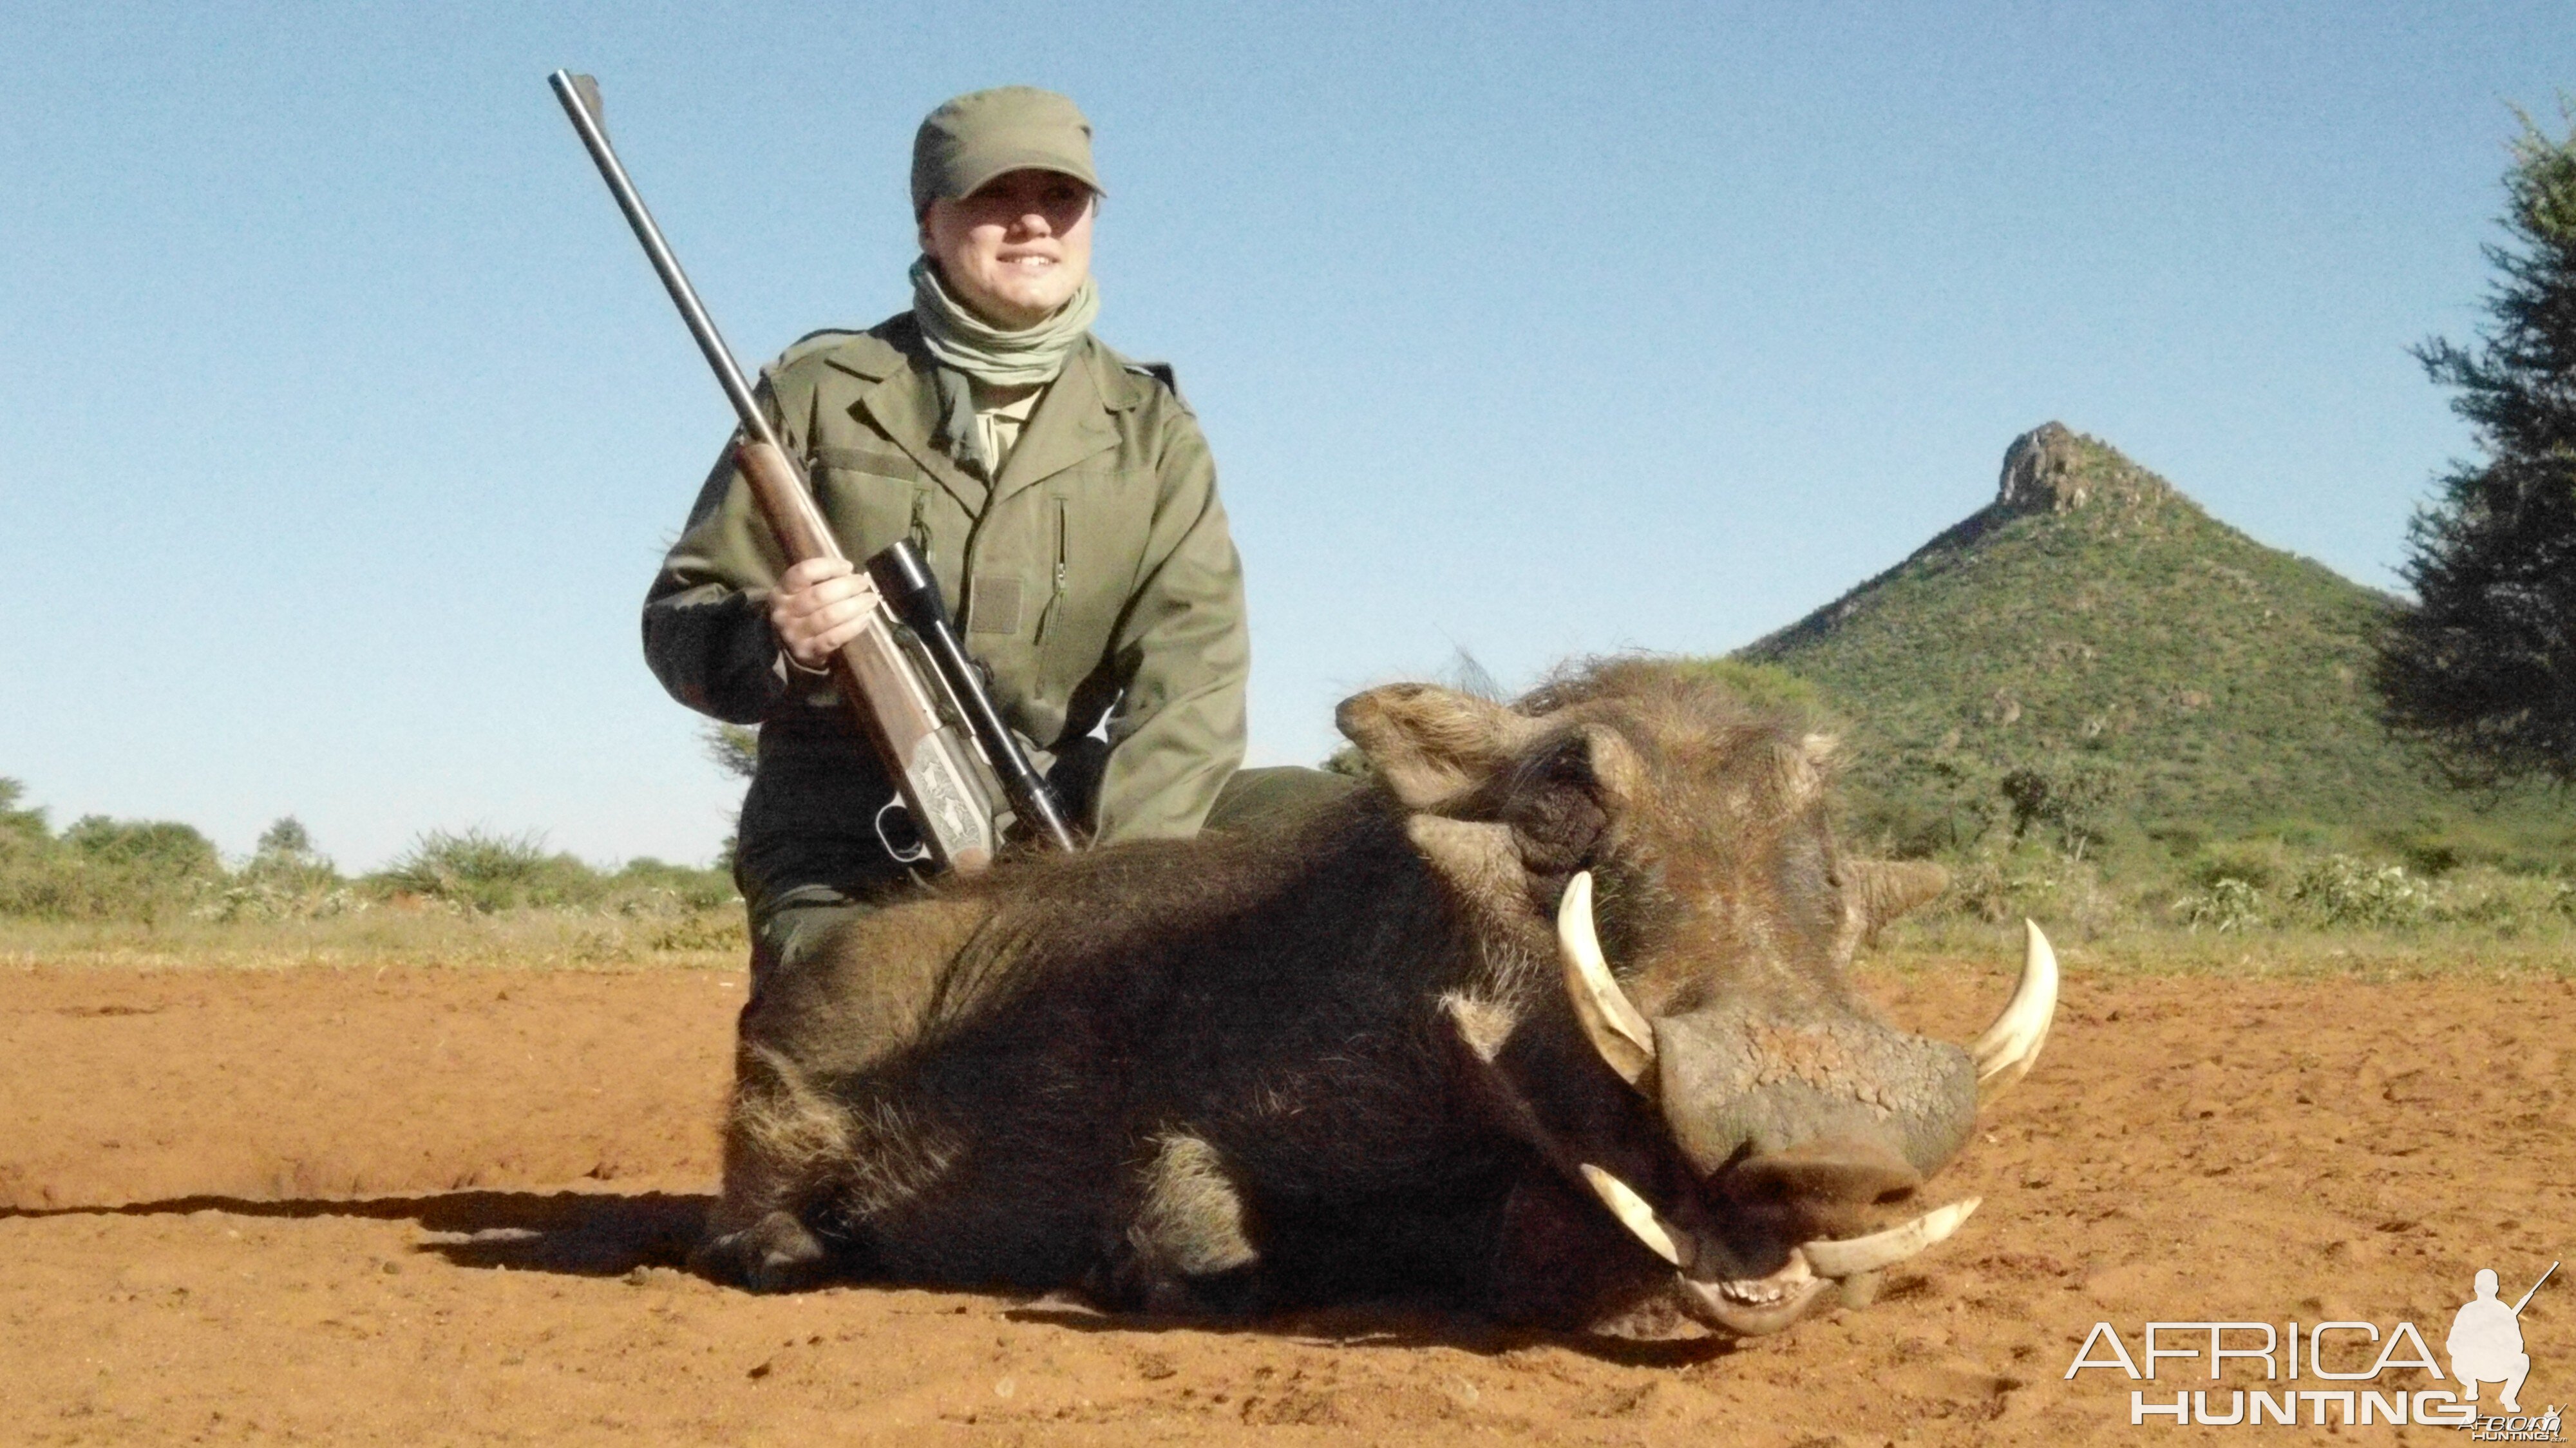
<point>2004,1054</point>
<point>1634,1214</point>
<point>1878,1250</point>
<point>1614,1027</point>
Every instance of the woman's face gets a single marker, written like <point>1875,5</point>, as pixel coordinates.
<point>1015,250</point>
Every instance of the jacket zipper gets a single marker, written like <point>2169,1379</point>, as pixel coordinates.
<point>1055,600</point>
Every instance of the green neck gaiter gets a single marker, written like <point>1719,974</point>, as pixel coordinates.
<point>968,347</point>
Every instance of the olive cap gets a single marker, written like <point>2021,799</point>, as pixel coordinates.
<point>982,134</point>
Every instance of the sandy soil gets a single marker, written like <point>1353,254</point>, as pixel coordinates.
<point>448,1206</point>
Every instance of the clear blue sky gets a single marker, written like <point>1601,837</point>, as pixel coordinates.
<point>344,424</point>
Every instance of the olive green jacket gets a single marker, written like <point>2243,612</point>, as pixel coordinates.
<point>1094,579</point>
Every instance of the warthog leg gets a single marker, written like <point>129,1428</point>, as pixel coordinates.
<point>1188,1229</point>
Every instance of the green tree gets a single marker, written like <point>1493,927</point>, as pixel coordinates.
<point>490,871</point>
<point>286,861</point>
<point>2483,668</point>
<point>732,748</point>
<point>287,838</point>
<point>157,850</point>
<point>2075,797</point>
<point>27,825</point>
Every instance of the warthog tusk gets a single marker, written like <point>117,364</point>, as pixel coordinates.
<point>1614,1027</point>
<point>1634,1214</point>
<point>2005,1052</point>
<point>1856,1255</point>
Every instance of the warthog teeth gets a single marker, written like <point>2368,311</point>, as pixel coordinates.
<point>1635,1215</point>
<point>1615,1027</point>
<point>2005,1053</point>
<point>1752,1306</point>
<point>1856,1255</point>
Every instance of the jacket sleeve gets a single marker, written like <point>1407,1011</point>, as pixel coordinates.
<point>706,617</point>
<point>1183,649</point>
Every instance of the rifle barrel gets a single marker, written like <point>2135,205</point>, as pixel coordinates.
<point>580,97</point>
<point>2535,1287</point>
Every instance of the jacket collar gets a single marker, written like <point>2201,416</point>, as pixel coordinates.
<point>1071,423</point>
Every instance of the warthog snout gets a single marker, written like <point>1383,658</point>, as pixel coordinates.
<point>1797,1123</point>
<point>1838,1172</point>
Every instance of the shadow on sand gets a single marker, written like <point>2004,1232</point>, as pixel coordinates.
<point>608,1234</point>
<point>1394,1323</point>
<point>581,1234</point>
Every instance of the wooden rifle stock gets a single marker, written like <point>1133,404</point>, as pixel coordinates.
<point>949,805</point>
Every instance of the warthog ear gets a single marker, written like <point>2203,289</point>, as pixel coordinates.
<point>1430,744</point>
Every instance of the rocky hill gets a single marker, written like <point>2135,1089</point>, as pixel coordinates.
<point>2093,655</point>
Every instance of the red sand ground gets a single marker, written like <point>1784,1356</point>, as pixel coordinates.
<point>447,1206</point>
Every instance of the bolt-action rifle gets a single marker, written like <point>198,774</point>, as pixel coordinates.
<point>918,698</point>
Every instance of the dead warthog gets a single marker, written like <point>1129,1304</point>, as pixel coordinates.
<point>1550,1021</point>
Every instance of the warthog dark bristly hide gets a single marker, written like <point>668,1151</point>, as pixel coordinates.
<point>1349,1058</point>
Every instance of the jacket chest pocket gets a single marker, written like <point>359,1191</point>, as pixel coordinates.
<point>869,498</point>
<point>1094,529</point>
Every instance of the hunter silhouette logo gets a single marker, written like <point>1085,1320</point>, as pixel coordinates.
<point>2485,1346</point>
<point>2486,1341</point>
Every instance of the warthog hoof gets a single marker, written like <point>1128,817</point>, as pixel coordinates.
<point>775,1254</point>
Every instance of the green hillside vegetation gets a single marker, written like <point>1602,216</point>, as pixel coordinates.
<point>2091,679</point>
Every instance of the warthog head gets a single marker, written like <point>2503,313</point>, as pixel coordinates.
<point>1666,925</point>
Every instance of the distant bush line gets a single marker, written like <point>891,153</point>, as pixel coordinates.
<point>2055,840</point>
<point>157,870</point>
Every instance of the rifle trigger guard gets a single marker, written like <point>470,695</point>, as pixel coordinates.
<point>920,851</point>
